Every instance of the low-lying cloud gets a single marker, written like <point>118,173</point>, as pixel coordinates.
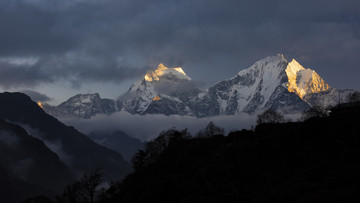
<point>54,145</point>
<point>146,127</point>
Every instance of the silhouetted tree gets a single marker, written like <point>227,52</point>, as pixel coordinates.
<point>270,116</point>
<point>38,199</point>
<point>315,111</point>
<point>71,194</point>
<point>276,163</point>
<point>210,130</point>
<point>353,96</point>
<point>89,183</point>
<point>155,147</point>
<point>83,190</point>
<point>139,160</point>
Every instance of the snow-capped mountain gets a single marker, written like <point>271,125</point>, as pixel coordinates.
<point>304,81</point>
<point>272,82</point>
<point>163,91</point>
<point>262,86</point>
<point>311,88</point>
<point>82,106</point>
<point>329,98</point>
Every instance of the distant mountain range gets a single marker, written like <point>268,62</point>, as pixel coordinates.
<point>82,106</point>
<point>271,83</point>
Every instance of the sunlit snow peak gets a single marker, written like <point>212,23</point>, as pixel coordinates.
<point>163,70</point>
<point>304,81</point>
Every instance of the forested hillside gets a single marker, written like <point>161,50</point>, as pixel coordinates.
<point>315,160</point>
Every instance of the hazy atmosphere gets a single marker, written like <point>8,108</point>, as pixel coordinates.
<point>63,47</point>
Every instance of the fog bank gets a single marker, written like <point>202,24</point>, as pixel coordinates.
<point>146,127</point>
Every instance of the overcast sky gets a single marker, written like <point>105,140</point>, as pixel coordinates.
<point>62,47</point>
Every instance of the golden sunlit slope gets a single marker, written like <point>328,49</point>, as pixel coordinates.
<point>40,104</point>
<point>157,98</point>
<point>304,81</point>
<point>162,70</point>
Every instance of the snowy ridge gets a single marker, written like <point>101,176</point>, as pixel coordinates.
<point>304,81</point>
<point>253,89</point>
<point>82,106</point>
<point>270,83</point>
<point>163,70</point>
<point>138,98</point>
<point>160,91</point>
<point>329,98</point>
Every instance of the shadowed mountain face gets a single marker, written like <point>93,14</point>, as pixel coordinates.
<point>27,166</point>
<point>313,161</point>
<point>117,141</point>
<point>77,151</point>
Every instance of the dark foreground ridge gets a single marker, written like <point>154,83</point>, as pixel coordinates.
<point>313,161</point>
<point>40,155</point>
<point>27,166</point>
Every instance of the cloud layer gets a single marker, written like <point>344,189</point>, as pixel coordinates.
<point>146,127</point>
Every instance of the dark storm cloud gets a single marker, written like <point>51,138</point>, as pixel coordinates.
<point>13,75</point>
<point>27,29</point>
<point>112,40</point>
<point>76,69</point>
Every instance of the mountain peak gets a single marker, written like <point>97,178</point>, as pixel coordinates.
<point>82,106</point>
<point>273,59</point>
<point>271,82</point>
<point>84,98</point>
<point>272,65</point>
<point>301,81</point>
<point>163,70</point>
<point>304,81</point>
<point>161,66</point>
